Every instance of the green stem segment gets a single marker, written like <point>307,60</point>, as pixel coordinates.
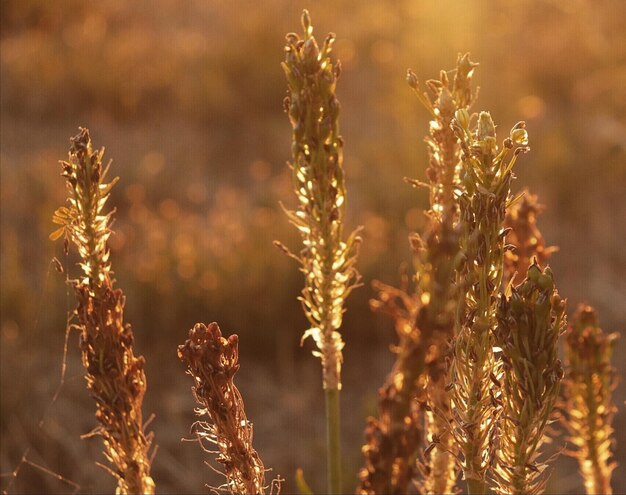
<point>333,438</point>
<point>476,487</point>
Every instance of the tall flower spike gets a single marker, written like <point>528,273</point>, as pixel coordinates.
<point>424,319</point>
<point>444,98</point>
<point>424,322</point>
<point>443,101</point>
<point>212,362</point>
<point>589,384</point>
<point>115,377</point>
<point>525,237</point>
<point>483,199</point>
<point>530,322</point>
<point>327,260</point>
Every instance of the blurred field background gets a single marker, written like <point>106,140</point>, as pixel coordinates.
<point>187,98</point>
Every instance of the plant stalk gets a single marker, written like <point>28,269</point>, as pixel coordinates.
<point>333,440</point>
<point>476,487</point>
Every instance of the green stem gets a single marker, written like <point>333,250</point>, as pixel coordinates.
<point>333,441</point>
<point>476,487</point>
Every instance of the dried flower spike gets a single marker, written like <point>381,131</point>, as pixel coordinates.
<point>424,322</point>
<point>530,322</point>
<point>327,260</point>
<point>525,238</point>
<point>424,319</point>
<point>588,386</point>
<point>443,101</point>
<point>483,198</point>
<point>212,362</point>
<point>393,438</point>
<point>115,377</point>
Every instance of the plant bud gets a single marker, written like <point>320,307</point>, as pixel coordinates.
<point>545,281</point>
<point>310,54</point>
<point>533,273</point>
<point>411,78</point>
<point>519,137</point>
<point>486,127</point>
<point>462,116</point>
<point>306,22</point>
<point>446,102</point>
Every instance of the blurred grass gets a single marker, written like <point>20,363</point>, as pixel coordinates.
<point>187,98</point>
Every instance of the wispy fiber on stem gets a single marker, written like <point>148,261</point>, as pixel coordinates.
<point>530,321</point>
<point>212,362</point>
<point>115,376</point>
<point>589,409</point>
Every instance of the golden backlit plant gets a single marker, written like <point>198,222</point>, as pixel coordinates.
<point>115,376</point>
<point>423,323</point>
<point>589,409</point>
<point>483,198</point>
<point>446,96</point>
<point>476,373</point>
<point>530,321</point>
<point>424,318</point>
<point>327,259</point>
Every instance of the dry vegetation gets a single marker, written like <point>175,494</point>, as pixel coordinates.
<point>490,388</point>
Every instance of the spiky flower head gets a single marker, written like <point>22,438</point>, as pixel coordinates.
<point>424,322</point>
<point>483,195</point>
<point>530,322</point>
<point>443,100</point>
<point>589,408</point>
<point>84,222</point>
<point>327,260</point>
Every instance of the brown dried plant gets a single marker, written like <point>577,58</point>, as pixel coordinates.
<point>212,362</point>
<point>442,101</point>
<point>589,409</point>
<point>439,469</point>
<point>394,438</point>
<point>115,376</point>
<point>526,237</point>
<point>483,199</point>
<point>327,260</point>
<point>530,321</point>
<point>424,319</point>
